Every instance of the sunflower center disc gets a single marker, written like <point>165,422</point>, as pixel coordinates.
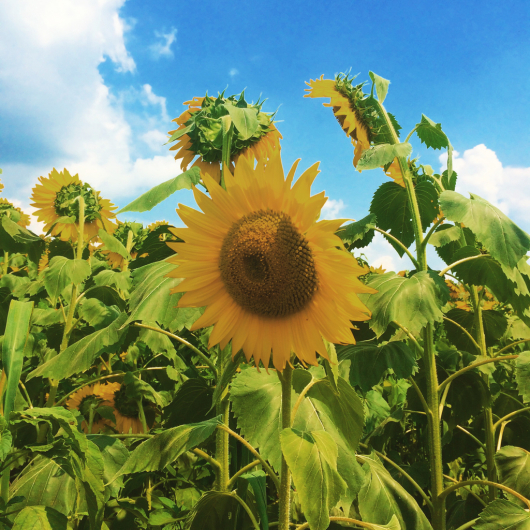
<point>267,266</point>
<point>66,203</point>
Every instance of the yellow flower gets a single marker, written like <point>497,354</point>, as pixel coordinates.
<point>205,148</point>
<point>55,197</point>
<point>394,172</point>
<point>345,108</point>
<point>1,186</point>
<point>87,397</point>
<point>125,410</point>
<point>272,278</point>
<point>20,217</point>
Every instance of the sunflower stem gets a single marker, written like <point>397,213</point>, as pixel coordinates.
<point>222,443</point>
<point>81,229</point>
<point>141,413</point>
<point>228,131</point>
<point>285,473</point>
<point>6,261</point>
<point>429,358</point>
<point>91,414</point>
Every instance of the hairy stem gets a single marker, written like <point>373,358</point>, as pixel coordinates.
<point>285,474</point>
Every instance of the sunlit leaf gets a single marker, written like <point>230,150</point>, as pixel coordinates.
<point>381,86</point>
<point>431,134</point>
<point>503,515</point>
<point>62,272</point>
<point>40,518</point>
<point>513,468</point>
<point>522,375</point>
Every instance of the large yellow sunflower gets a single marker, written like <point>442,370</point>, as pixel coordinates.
<point>125,410</point>
<point>56,196</point>
<point>203,144</point>
<point>345,110</point>
<point>274,280</point>
<point>15,213</point>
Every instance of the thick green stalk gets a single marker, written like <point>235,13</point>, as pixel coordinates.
<point>429,358</point>
<point>285,473</point>
<point>222,442</point>
<point>6,261</point>
<point>489,427</point>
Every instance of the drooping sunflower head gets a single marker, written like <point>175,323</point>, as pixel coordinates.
<point>200,139</point>
<point>131,235</point>
<point>272,278</point>
<point>87,400</point>
<point>13,212</point>
<point>56,198</point>
<point>126,412</point>
<point>356,112</point>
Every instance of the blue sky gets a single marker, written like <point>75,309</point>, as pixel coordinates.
<point>92,86</point>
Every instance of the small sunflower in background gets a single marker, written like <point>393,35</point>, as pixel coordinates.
<point>131,235</point>
<point>55,197</point>
<point>126,411</point>
<point>272,278</point>
<point>14,213</point>
<point>91,397</point>
<point>1,185</point>
<point>202,141</point>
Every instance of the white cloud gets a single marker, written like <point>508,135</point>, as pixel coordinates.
<point>381,252</point>
<point>331,209</point>
<point>34,225</point>
<point>481,172</point>
<point>155,139</point>
<point>163,47</point>
<point>233,72</point>
<point>153,99</point>
<point>52,90</point>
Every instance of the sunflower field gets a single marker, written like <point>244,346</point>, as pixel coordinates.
<point>248,369</point>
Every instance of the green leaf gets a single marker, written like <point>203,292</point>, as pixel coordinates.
<point>229,370</point>
<point>381,497</point>
<point>120,280</point>
<point>383,154</point>
<point>522,375</point>
<point>257,480</point>
<point>427,198</point>
<point>19,233</point>
<point>381,86</point>
<point>431,134</point>
<point>151,299</point>
<point>112,244</point>
<point>45,482</point>
<point>332,366</point>
<point>178,133</point>
<point>513,468</point>
<point>106,295</point>
<point>504,240</point>
<point>192,403</point>
<point>245,120</point>
<point>503,515</point>
<point>390,206</point>
<point>47,317</point>
<point>445,234</point>
<point>312,457</point>
<point>137,389</point>
<point>40,518</point>
<point>13,346</point>
<point>97,314</point>
<point>79,356</point>
<point>360,233</point>
<point>413,302</point>
<point>157,452</point>
<point>147,201</point>
<point>6,439</point>
<point>63,272</point>
<point>215,510</point>
<point>369,362</point>
<point>157,342</point>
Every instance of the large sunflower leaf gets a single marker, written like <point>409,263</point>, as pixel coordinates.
<point>213,511</point>
<point>63,272</point>
<point>381,86</point>
<point>96,313</point>
<point>380,155</point>
<point>79,356</point>
<point>445,234</point>
<point>390,206</point>
<point>427,198</point>
<point>369,362</point>
<point>413,302</point>
<point>151,299</point>
<point>312,457</point>
<point>503,515</point>
<point>113,244</point>
<point>192,403</point>
<point>147,201</point>
<point>381,498</point>
<point>360,233</point>
<point>157,452</point>
<point>504,240</point>
<point>431,134</point>
<point>513,467</point>
<point>41,518</point>
<point>522,375</point>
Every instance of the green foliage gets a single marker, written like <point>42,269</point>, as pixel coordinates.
<point>369,362</point>
<point>445,234</point>
<point>381,86</point>
<point>431,134</point>
<point>360,233</point>
<point>522,375</point>
<point>513,468</point>
<point>112,244</point>
<point>312,457</point>
<point>503,515</point>
<point>383,154</point>
<point>147,201</point>
<point>41,518</point>
<point>413,302</point>
<point>63,272</point>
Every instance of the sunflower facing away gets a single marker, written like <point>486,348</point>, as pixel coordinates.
<point>55,197</point>
<point>274,280</point>
<point>203,140</point>
<point>15,213</point>
<point>126,411</point>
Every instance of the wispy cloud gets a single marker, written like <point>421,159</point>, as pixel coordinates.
<point>332,208</point>
<point>151,98</point>
<point>233,72</point>
<point>162,48</point>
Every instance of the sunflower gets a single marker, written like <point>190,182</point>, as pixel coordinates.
<point>272,278</point>
<point>139,233</point>
<point>15,213</point>
<point>56,196</point>
<point>344,99</point>
<point>1,186</point>
<point>125,411</point>
<point>91,396</point>
<point>203,141</point>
